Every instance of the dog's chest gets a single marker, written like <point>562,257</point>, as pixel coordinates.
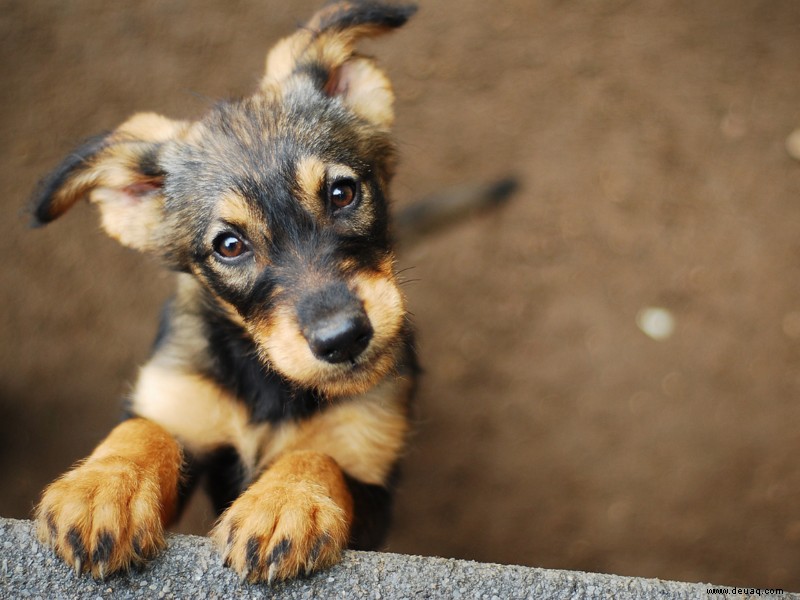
<point>202,415</point>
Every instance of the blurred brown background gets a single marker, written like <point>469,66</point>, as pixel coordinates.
<point>649,137</point>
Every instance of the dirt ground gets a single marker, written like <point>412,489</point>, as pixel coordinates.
<point>649,139</point>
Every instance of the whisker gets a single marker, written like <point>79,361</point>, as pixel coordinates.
<point>407,281</point>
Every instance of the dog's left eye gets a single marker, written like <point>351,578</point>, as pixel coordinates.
<point>229,245</point>
<point>342,193</point>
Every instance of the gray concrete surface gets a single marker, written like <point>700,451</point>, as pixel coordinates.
<point>191,568</point>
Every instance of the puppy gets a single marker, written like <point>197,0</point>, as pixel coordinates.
<point>284,365</point>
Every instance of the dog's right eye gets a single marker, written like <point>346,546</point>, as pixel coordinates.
<point>343,193</point>
<point>228,245</point>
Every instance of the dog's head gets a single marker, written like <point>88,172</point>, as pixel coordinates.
<point>276,203</point>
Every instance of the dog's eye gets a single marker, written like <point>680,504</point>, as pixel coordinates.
<point>343,193</point>
<point>229,245</point>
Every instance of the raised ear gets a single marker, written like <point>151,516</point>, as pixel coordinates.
<point>119,172</point>
<point>324,49</point>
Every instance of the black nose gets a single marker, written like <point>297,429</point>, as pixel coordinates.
<point>340,337</point>
<point>334,323</point>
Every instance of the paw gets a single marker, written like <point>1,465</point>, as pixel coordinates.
<point>282,529</point>
<point>103,516</point>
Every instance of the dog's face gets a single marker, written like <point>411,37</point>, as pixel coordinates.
<point>276,203</point>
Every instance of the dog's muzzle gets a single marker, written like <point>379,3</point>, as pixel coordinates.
<point>334,324</point>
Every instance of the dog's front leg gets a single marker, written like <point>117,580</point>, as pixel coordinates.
<point>109,512</point>
<point>294,519</point>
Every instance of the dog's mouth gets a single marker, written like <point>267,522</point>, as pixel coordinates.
<point>340,340</point>
<point>357,374</point>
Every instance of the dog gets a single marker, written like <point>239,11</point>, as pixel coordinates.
<point>284,366</point>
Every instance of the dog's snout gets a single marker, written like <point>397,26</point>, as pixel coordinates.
<point>334,324</point>
<point>340,337</point>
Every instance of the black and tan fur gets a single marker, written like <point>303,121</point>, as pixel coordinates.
<point>284,364</point>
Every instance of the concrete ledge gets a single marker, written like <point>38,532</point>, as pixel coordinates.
<point>191,568</point>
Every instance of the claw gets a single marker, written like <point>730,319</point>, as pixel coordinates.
<point>101,571</point>
<point>252,555</point>
<point>77,566</point>
<point>311,563</point>
<point>273,573</point>
<point>230,541</point>
<point>313,556</point>
<point>52,528</point>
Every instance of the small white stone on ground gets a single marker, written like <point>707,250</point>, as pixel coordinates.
<point>655,322</point>
<point>793,144</point>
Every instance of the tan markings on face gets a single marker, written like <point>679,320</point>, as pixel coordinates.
<point>310,174</point>
<point>232,313</point>
<point>282,343</point>
<point>361,219</point>
<point>341,172</point>
<point>383,303</point>
<point>348,264</point>
<point>364,435</point>
<point>235,278</point>
<point>199,413</point>
<point>235,210</point>
<point>236,216</point>
<point>186,345</point>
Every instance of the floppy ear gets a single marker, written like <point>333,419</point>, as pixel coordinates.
<point>324,49</point>
<point>118,171</point>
